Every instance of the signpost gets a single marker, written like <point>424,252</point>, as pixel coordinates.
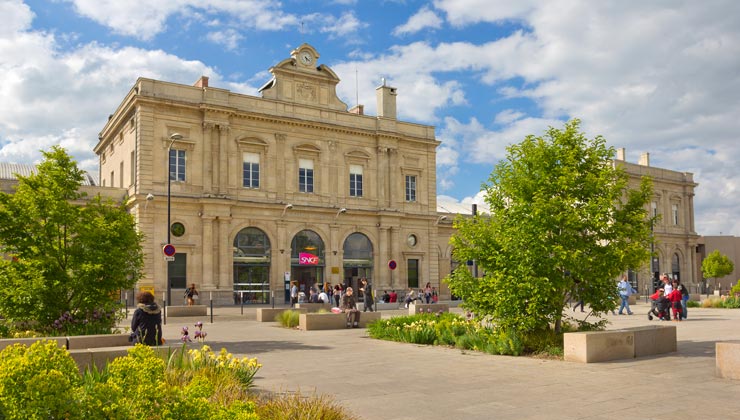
<point>392,265</point>
<point>169,252</point>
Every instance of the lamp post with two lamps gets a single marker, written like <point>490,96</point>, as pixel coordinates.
<point>173,138</point>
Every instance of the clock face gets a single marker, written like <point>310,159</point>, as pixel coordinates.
<point>306,57</point>
<point>411,240</point>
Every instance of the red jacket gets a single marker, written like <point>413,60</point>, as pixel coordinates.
<point>655,296</point>
<point>675,296</point>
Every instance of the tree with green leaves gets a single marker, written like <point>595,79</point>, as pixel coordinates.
<point>68,255</point>
<point>716,265</point>
<point>563,223</point>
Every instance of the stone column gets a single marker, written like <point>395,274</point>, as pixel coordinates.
<point>207,158</point>
<point>395,196</point>
<point>225,253</point>
<point>279,170</point>
<point>208,272</point>
<point>223,154</point>
<point>382,177</point>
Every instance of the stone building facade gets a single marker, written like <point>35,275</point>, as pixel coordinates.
<point>289,186</point>
<point>675,237</point>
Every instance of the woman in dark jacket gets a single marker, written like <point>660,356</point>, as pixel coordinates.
<point>147,320</point>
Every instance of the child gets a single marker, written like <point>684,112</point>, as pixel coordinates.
<point>675,297</point>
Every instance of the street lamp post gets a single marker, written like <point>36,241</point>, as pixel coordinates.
<point>173,138</point>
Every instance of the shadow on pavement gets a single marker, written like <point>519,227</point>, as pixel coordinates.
<point>250,348</point>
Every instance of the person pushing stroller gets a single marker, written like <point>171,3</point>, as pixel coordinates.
<point>660,306</point>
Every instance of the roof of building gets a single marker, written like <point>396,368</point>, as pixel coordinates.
<point>10,170</point>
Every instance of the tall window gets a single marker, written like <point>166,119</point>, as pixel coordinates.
<point>674,213</point>
<point>654,208</point>
<point>251,170</point>
<point>133,167</point>
<point>120,174</point>
<point>355,180</point>
<point>305,175</point>
<point>177,165</point>
<point>410,188</point>
<point>413,272</point>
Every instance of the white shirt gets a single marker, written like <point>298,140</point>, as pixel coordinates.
<point>667,288</point>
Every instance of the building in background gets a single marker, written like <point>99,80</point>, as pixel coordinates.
<point>726,245</point>
<point>674,232</point>
<point>289,186</point>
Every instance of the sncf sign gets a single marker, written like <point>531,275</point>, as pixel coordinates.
<point>304,258</point>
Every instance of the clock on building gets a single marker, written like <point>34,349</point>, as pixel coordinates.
<point>305,57</point>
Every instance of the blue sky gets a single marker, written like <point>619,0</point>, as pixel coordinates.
<point>661,77</point>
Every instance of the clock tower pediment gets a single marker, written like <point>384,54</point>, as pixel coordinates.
<point>299,79</point>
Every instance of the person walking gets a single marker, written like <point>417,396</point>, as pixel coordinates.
<point>625,290</point>
<point>293,294</point>
<point>684,298</point>
<point>146,322</point>
<point>349,306</point>
<point>191,294</point>
<point>367,291</point>
<point>337,295</point>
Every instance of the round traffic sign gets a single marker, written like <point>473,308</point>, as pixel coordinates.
<point>169,250</point>
<point>392,264</point>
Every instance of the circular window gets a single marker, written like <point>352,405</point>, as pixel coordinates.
<point>177,229</point>
<point>411,240</point>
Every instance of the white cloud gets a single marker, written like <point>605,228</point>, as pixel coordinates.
<point>424,18</point>
<point>347,24</point>
<point>462,12</point>
<point>229,38</point>
<point>144,19</point>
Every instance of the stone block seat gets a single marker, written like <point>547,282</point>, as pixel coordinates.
<point>727,360</point>
<point>182,311</point>
<point>331,321</point>
<point>627,343</point>
<point>269,314</point>
<point>314,307</point>
<point>416,308</point>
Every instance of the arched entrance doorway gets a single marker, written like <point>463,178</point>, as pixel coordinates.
<point>306,262</point>
<point>251,266</point>
<point>358,260</point>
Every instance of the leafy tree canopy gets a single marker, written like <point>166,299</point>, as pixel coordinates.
<point>67,253</point>
<point>563,222</point>
<point>716,265</point>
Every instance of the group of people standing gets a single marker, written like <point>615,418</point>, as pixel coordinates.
<point>673,296</point>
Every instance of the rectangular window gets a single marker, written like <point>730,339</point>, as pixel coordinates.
<point>177,165</point>
<point>413,273</point>
<point>654,207</point>
<point>355,180</point>
<point>133,167</point>
<point>251,170</point>
<point>120,174</point>
<point>305,175</point>
<point>674,211</point>
<point>112,179</point>
<point>410,188</point>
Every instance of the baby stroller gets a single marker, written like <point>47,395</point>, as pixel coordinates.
<point>661,308</point>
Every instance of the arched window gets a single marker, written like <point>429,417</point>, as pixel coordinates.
<point>251,266</point>
<point>676,267</point>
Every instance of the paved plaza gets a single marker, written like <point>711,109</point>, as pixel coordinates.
<point>386,380</point>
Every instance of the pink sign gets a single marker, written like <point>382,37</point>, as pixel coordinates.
<point>304,258</point>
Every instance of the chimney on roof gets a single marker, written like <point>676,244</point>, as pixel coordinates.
<point>202,82</point>
<point>645,159</point>
<point>620,153</point>
<point>386,97</point>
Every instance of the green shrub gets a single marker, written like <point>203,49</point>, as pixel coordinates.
<point>39,381</point>
<point>693,304</point>
<point>731,303</point>
<point>711,303</point>
<point>735,289</point>
<point>288,319</point>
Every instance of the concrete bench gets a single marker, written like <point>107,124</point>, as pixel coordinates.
<point>100,340</point>
<point>727,360</point>
<point>313,307</point>
<point>5,342</point>
<point>628,343</point>
<point>416,308</point>
<point>101,356</point>
<point>179,311</point>
<point>332,321</point>
<point>269,314</point>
